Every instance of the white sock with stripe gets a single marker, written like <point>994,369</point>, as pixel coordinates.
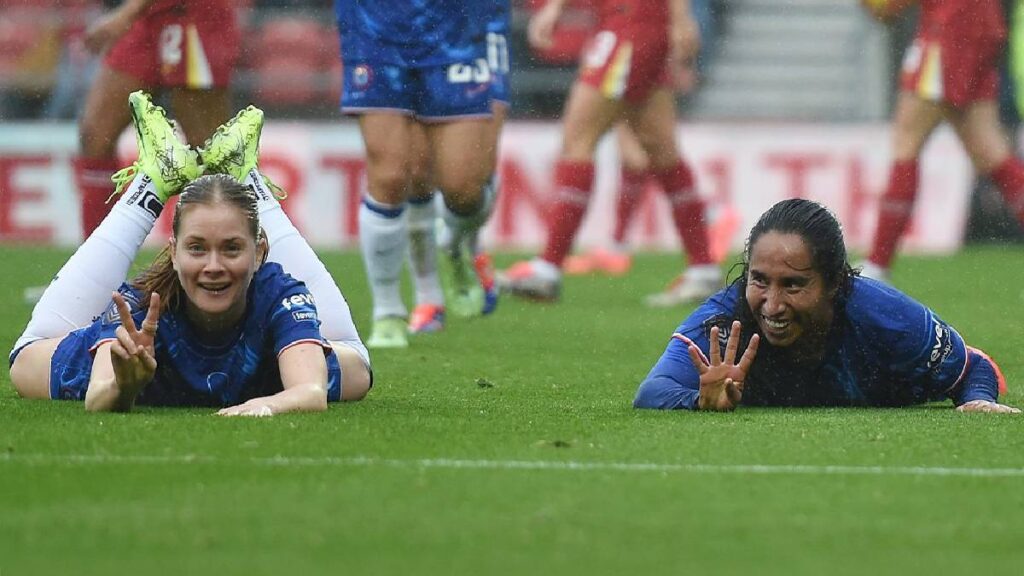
<point>422,221</point>
<point>383,239</point>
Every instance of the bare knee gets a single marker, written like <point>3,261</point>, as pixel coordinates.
<point>463,193</point>
<point>389,183</point>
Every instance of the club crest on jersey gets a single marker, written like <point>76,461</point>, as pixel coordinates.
<point>111,316</point>
<point>362,75</point>
<point>724,324</point>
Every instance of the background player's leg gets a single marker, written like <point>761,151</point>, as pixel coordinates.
<point>913,123</point>
<point>588,116</point>
<point>634,171</point>
<point>983,137</point>
<point>383,236</point>
<point>200,112</point>
<point>463,161</point>
<point>103,119</point>
<point>654,123</point>
<point>428,315</point>
<point>616,259</point>
<point>482,260</point>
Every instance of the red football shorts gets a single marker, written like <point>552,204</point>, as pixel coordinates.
<point>195,46</point>
<point>626,65</point>
<point>953,71</point>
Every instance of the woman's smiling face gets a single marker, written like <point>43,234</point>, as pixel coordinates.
<point>786,294</point>
<point>215,256</point>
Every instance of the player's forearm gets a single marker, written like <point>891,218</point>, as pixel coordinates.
<point>104,395</point>
<point>659,392</point>
<point>300,398</point>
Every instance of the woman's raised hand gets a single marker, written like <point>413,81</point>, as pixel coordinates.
<point>133,354</point>
<point>721,379</point>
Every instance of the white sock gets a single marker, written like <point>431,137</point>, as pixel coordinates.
<point>467,227</point>
<point>490,193</point>
<point>80,291</point>
<point>383,239</point>
<point>423,252</point>
<point>289,249</point>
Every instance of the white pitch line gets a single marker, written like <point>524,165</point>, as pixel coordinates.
<point>542,465</point>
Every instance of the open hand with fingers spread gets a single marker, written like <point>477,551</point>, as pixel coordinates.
<point>721,379</point>
<point>133,354</point>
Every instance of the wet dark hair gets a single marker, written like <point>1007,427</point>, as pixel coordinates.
<point>777,377</point>
<point>160,277</point>
<point>821,233</point>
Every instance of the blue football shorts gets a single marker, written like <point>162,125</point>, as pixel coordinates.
<point>441,92</point>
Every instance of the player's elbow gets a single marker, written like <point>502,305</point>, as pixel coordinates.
<point>651,395</point>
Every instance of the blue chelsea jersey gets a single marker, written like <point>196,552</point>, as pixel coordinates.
<point>413,33</point>
<point>280,312</point>
<point>884,349</point>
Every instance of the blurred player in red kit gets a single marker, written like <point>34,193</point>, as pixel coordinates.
<point>628,72</point>
<point>186,47</point>
<point>950,73</point>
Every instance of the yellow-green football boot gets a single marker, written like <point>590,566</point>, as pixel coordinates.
<point>388,332</point>
<point>168,162</point>
<point>234,149</point>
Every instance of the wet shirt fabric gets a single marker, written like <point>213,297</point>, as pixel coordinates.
<point>884,349</point>
<point>280,312</point>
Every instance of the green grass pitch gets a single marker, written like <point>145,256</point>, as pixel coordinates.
<point>508,445</point>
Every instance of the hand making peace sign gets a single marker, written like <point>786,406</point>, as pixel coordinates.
<point>721,382</point>
<point>133,355</point>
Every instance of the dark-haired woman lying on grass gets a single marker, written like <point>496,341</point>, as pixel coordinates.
<point>814,333</point>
